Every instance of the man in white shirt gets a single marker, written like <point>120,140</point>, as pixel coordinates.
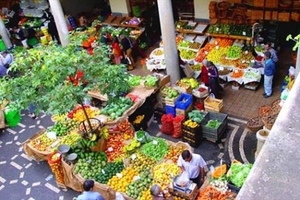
<point>193,164</point>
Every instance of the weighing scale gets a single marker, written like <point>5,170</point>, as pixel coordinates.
<point>188,192</point>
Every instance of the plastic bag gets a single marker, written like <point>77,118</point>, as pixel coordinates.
<point>284,94</point>
<point>182,179</point>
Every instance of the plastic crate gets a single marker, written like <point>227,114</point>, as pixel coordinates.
<point>170,110</point>
<point>192,142</point>
<point>214,134</point>
<point>183,105</point>
<point>192,133</point>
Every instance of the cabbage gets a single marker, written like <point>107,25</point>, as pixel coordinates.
<point>238,173</point>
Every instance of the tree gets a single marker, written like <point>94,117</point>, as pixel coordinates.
<point>56,78</point>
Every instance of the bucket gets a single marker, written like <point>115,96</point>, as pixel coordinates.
<point>2,45</point>
<point>12,117</point>
<point>261,136</point>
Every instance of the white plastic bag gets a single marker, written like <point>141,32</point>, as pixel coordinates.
<point>182,179</point>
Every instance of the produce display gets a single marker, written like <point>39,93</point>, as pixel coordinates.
<point>210,192</point>
<point>187,54</point>
<point>190,123</point>
<point>78,115</point>
<point>234,52</point>
<point>170,92</point>
<point>238,173</point>
<point>117,108</point>
<point>42,142</point>
<point>62,128</point>
<point>134,80</point>
<point>219,171</point>
<point>196,67</point>
<point>227,29</point>
<point>155,149</point>
<point>121,181</point>
<point>190,81</point>
<point>111,169</point>
<point>56,167</point>
<point>237,73</point>
<point>150,81</point>
<point>91,164</point>
<point>213,123</point>
<point>252,75</point>
<point>196,115</point>
<point>163,173</point>
<point>142,183</point>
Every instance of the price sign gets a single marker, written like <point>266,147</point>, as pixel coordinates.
<point>133,156</point>
<point>155,142</point>
<point>119,175</point>
<point>103,172</point>
<point>244,33</point>
<point>136,178</point>
<point>221,68</point>
<point>110,149</point>
<point>206,52</point>
<point>217,47</point>
<point>217,29</point>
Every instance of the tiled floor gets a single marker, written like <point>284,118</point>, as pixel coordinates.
<point>244,103</point>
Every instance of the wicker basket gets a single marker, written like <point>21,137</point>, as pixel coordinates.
<point>276,106</point>
<point>265,111</point>
<point>269,120</point>
<point>255,124</point>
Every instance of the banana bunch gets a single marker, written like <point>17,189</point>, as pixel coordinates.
<point>190,123</point>
<point>138,119</point>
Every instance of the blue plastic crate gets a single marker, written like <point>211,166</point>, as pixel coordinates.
<point>184,104</point>
<point>171,110</point>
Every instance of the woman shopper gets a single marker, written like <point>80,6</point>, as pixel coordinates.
<point>116,51</point>
<point>204,73</point>
<point>269,71</point>
<point>213,75</point>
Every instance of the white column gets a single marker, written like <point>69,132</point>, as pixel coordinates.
<point>60,22</point>
<point>169,38</point>
<point>298,62</point>
<point>4,34</point>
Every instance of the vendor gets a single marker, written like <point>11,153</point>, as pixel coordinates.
<point>158,194</point>
<point>194,165</point>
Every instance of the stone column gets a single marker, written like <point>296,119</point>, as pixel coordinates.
<point>169,38</point>
<point>60,22</point>
<point>297,62</point>
<point>4,34</point>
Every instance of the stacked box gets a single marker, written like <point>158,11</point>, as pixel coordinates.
<point>214,134</point>
<point>213,104</point>
<point>193,136</point>
<point>183,105</point>
<point>170,110</point>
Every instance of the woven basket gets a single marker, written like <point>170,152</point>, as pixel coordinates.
<point>269,120</point>
<point>265,111</point>
<point>276,106</point>
<point>255,124</point>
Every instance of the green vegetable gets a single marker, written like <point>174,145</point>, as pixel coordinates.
<point>239,173</point>
<point>155,149</point>
<point>213,123</point>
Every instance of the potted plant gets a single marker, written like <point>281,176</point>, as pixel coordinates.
<point>56,78</point>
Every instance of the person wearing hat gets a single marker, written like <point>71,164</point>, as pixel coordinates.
<point>269,71</point>
<point>158,194</point>
<point>194,165</point>
<point>88,193</point>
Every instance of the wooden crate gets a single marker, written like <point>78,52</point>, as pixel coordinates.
<point>268,15</point>
<point>257,14</point>
<point>258,3</point>
<point>284,16</point>
<point>271,3</point>
<point>211,104</point>
<point>295,16</point>
<point>234,1</point>
<point>274,15</point>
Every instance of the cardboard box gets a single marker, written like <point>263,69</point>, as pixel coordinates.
<point>183,112</point>
<point>189,72</point>
<point>164,81</point>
